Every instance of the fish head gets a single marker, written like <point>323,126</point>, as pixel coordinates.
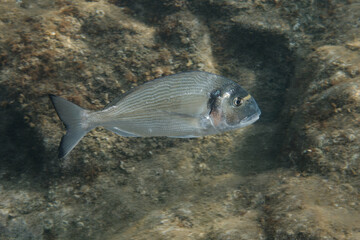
<point>232,107</point>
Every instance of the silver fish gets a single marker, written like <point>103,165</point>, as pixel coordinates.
<point>184,105</point>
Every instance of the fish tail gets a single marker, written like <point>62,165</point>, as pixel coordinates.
<point>75,121</point>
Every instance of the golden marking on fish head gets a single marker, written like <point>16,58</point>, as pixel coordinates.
<point>247,97</point>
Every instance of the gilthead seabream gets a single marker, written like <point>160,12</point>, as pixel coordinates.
<point>184,105</point>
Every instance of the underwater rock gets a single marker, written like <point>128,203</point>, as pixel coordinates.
<point>307,207</point>
<point>329,117</point>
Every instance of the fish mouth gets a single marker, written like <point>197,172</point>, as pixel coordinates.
<point>251,119</point>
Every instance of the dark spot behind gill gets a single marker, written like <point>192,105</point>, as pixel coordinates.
<point>212,103</point>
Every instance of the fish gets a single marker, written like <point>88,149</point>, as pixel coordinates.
<point>183,105</point>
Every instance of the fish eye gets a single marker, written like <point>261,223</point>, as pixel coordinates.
<point>238,101</point>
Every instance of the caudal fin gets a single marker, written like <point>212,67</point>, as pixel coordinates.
<point>75,121</point>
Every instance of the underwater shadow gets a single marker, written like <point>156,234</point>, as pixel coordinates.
<point>22,152</point>
<point>266,55</point>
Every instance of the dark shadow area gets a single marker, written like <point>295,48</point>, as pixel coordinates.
<point>22,151</point>
<point>266,55</point>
